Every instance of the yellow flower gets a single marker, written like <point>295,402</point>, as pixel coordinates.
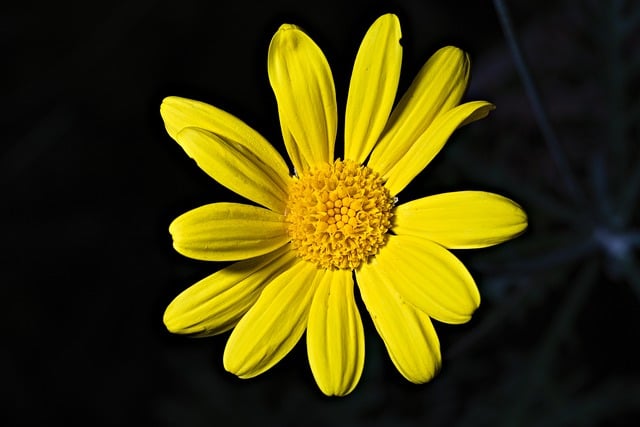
<point>334,222</point>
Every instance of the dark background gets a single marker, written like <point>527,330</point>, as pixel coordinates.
<point>90,181</point>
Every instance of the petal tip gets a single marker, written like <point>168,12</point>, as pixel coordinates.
<point>169,105</point>
<point>171,321</point>
<point>174,227</point>
<point>287,30</point>
<point>391,17</point>
<point>237,366</point>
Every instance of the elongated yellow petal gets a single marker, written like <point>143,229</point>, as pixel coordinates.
<point>373,87</point>
<point>461,220</point>
<point>407,333</point>
<point>228,232</point>
<point>438,87</point>
<point>216,303</point>
<point>179,113</point>
<point>431,142</point>
<point>303,85</point>
<point>273,326</point>
<point>428,276</point>
<point>335,336</point>
<point>233,166</point>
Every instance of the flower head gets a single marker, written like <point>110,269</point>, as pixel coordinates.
<point>334,223</point>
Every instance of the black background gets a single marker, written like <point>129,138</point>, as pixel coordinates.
<point>90,181</point>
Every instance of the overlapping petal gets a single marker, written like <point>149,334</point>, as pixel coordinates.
<point>303,85</point>
<point>179,113</point>
<point>461,220</point>
<point>235,167</point>
<point>438,87</point>
<point>408,333</point>
<point>373,87</point>
<point>216,303</point>
<point>273,326</point>
<point>429,277</point>
<point>335,335</point>
<point>425,148</point>
<point>228,232</point>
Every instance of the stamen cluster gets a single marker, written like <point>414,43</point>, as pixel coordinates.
<point>338,214</point>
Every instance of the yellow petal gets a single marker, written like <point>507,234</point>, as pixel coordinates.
<point>461,220</point>
<point>373,86</point>
<point>430,277</point>
<point>273,326</point>
<point>216,303</point>
<point>228,232</point>
<point>303,85</point>
<point>425,148</point>
<point>407,333</point>
<point>335,336</point>
<point>233,166</point>
<point>179,113</point>
<point>438,87</point>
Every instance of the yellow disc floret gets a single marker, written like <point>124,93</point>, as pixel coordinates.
<point>338,214</point>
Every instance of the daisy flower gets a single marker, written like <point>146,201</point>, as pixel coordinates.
<point>310,237</point>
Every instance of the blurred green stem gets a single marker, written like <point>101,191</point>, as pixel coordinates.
<point>600,183</point>
<point>539,112</point>
<point>615,87</point>
<point>630,196</point>
<point>580,247</point>
<point>632,272</point>
<point>539,369</point>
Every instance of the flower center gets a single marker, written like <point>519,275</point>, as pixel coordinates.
<point>338,214</point>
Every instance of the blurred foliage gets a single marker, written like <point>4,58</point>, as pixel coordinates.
<point>90,183</point>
